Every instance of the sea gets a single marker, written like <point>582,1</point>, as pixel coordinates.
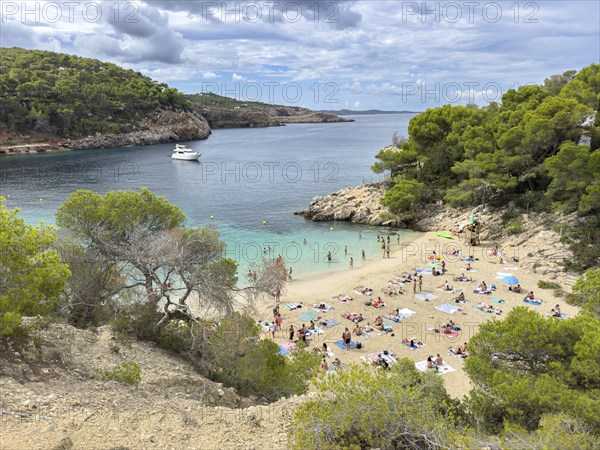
<point>247,184</point>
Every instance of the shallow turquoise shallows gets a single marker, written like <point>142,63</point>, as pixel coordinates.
<point>250,181</point>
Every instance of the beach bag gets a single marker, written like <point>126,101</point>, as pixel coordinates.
<point>358,345</point>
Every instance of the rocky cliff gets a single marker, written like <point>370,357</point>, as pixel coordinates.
<point>264,116</point>
<point>158,127</point>
<point>355,204</point>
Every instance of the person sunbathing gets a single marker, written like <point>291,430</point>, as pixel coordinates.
<point>555,312</point>
<point>312,325</point>
<point>358,330</point>
<point>460,298</point>
<point>516,288</point>
<point>392,317</point>
<point>378,324</point>
<point>368,328</point>
<point>354,317</point>
<point>530,296</point>
<point>439,362</point>
<point>447,286</point>
<point>468,267</point>
<point>412,343</point>
<point>485,307</point>
<point>378,303</point>
<point>482,286</point>
<point>336,362</point>
<point>430,363</point>
<point>321,306</point>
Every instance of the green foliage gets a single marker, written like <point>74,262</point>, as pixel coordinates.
<point>526,366</point>
<point>253,365</point>
<point>586,292</point>
<point>548,285</point>
<point>404,198</point>
<point>69,96</point>
<point>515,227</point>
<point>366,408</point>
<point>128,372</point>
<point>214,101</point>
<point>584,243</point>
<point>32,275</point>
<point>396,161</point>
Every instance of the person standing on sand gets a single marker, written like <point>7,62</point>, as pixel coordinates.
<point>364,255</point>
<point>278,321</point>
<point>291,331</point>
<point>290,274</point>
<point>420,283</point>
<point>351,263</point>
<point>415,286</point>
<point>276,310</point>
<point>383,247</point>
<point>387,251</point>
<point>347,337</point>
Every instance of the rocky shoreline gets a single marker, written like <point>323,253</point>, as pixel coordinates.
<point>537,246</point>
<point>159,127</point>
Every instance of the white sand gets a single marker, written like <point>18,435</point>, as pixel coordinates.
<point>376,273</point>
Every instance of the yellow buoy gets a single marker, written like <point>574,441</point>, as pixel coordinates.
<point>212,217</point>
<point>331,229</point>
<point>264,222</point>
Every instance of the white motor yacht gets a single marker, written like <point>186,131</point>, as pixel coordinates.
<point>182,152</point>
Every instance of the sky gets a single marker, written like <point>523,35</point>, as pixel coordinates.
<point>388,55</point>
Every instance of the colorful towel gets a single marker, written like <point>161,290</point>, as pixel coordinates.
<point>308,316</point>
<point>450,309</point>
<point>317,330</point>
<point>481,291</point>
<point>438,331</point>
<point>413,347</point>
<point>481,310</point>
<point>341,344</point>
<point>283,351</point>
<point>424,271</point>
<point>497,300</point>
<point>532,302</point>
<point>292,306</point>
<point>450,352</point>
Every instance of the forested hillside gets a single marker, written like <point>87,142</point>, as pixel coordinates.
<point>56,94</point>
<point>535,151</point>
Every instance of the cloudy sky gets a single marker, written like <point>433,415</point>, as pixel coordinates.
<point>390,55</point>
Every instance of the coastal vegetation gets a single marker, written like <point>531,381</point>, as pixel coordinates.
<point>538,150</point>
<point>57,94</point>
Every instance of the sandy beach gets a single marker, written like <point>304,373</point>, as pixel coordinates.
<point>376,272</point>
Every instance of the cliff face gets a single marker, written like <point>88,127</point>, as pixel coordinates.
<point>358,205</point>
<point>264,116</point>
<point>158,127</point>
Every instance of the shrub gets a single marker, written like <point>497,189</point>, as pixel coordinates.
<point>548,285</point>
<point>128,372</point>
<point>515,228</point>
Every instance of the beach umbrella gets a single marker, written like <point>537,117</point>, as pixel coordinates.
<point>510,280</point>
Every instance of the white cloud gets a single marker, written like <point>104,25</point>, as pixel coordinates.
<point>209,75</point>
<point>238,78</point>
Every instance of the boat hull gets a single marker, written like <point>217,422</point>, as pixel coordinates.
<point>186,157</point>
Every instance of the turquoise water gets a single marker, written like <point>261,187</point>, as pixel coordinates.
<point>245,177</point>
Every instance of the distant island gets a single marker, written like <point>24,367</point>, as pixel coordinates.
<point>58,102</point>
<point>352,112</point>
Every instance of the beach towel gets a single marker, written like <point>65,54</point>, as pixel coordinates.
<point>468,270</point>
<point>266,325</point>
<point>341,344</point>
<point>283,351</point>
<point>481,310</point>
<point>373,333</point>
<point>468,259</point>
<point>438,331</point>
<point>481,291</point>
<point>343,298</point>
<point>326,309</point>
<point>500,275</point>
<point>422,366</point>
<point>535,302</point>
<point>356,291</point>
<point>286,348</point>
<point>497,300</point>
<point>559,316</point>
<point>450,309</point>
<point>413,347</point>
<point>387,328</point>
<point>405,312</point>
<point>425,296</point>
<point>308,316</point>
<point>292,306</point>
<point>317,330</point>
<point>511,268</point>
<point>427,271</point>
<point>330,323</point>
<point>353,316</point>
<point>375,356</point>
<point>450,352</point>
